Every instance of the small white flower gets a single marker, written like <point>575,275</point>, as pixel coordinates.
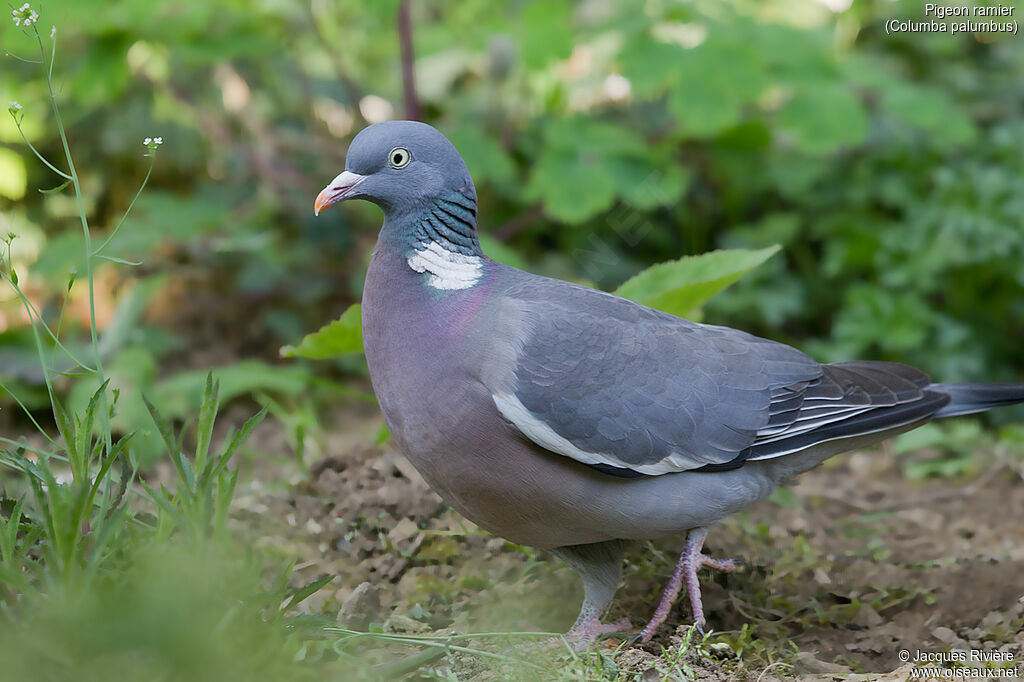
<point>158,140</point>
<point>24,16</point>
<point>14,107</point>
<point>147,141</point>
<point>53,32</point>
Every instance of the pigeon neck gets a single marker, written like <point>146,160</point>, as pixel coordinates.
<point>450,222</point>
<point>443,243</point>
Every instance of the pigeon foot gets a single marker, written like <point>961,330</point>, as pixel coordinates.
<point>691,560</point>
<point>584,634</point>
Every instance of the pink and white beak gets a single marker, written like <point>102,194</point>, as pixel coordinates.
<point>340,189</point>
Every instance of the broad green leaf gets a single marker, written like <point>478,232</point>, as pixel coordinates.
<point>795,174</point>
<point>716,79</point>
<point>340,337</point>
<point>586,136</point>
<point>931,111</point>
<point>869,72</point>
<point>180,394</point>
<point>646,184</point>
<point>823,118</point>
<point>503,253</point>
<point>484,157</point>
<point>650,66</point>
<point>681,286</point>
<point>127,320</point>
<point>794,54</point>
<point>545,32</point>
<point>104,76</point>
<point>585,164</point>
<point>571,187</point>
<point>704,107</point>
<point>928,436</point>
<point>780,228</point>
<point>894,321</point>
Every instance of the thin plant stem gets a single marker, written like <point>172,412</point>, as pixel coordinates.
<point>39,156</point>
<point>42,362</point>
<point>440,638</point>
<point>80,202</point>
<point>149,171</point>
<point>28,413</point>
<point>22,59</point>
<point>440,643</point>
<point>35,316</point>
<point>60,320</point>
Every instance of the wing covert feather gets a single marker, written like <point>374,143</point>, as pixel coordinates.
<point>626,386</point>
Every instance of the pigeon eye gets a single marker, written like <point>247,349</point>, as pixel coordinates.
<point>399,157</point>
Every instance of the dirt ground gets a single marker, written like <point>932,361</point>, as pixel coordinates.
<point>844,568</point>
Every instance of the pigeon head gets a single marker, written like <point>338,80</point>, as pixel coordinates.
<point>402,166</point>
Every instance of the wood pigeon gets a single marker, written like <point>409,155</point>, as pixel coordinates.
<point>574,420</point>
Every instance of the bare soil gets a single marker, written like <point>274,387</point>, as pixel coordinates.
<point>844,568</point>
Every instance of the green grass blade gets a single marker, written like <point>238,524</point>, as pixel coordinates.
<point>240,437</point>
<point>306,590</point>
<point>185,474</point>
<point>82,450</point>
<point>207,416</point>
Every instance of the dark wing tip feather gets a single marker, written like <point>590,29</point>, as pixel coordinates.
<point>852,399</point>
<point>861,424</point>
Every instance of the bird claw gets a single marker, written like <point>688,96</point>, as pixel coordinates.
<point>691,560</point>
<point>721,565</point>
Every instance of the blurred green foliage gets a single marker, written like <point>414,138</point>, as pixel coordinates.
<point>604,137</point>
<point>101,572</point>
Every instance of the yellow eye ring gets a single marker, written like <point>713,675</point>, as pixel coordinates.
<point>399,157</point>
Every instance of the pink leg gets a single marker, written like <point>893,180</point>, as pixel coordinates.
<point>585,632</point>
<point>690,561</point>
<point>600,566</point>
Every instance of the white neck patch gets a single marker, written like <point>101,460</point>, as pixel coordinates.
<point>448,270</point>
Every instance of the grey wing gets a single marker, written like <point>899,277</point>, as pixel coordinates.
<point>633,391</point>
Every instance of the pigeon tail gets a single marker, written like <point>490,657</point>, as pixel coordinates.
<point>971,398</point>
